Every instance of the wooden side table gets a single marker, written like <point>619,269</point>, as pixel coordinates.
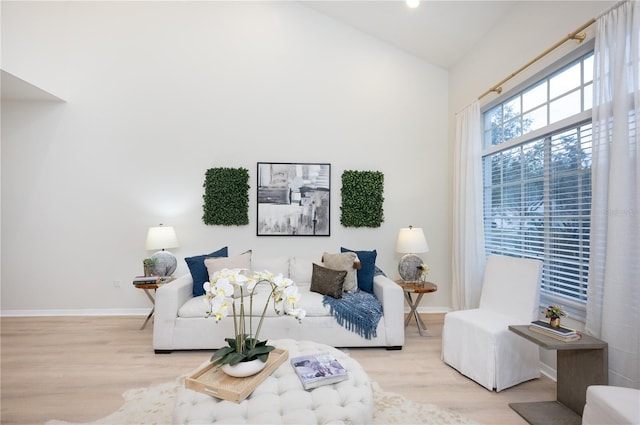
<point>419,288</point>
<point>580,363</point>
<point>148,287</point>
<point>150,290</point>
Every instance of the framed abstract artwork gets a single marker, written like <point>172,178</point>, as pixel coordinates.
<point>293,199</point>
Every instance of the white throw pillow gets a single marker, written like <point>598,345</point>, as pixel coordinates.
<point>242,261</point>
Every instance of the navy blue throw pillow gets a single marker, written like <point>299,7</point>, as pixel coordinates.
<point>199,271</point>
<point>367,270</point>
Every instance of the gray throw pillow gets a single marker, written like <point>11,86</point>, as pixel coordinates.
<point>326,281</point>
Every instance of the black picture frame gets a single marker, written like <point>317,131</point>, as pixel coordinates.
<point>294,199</point>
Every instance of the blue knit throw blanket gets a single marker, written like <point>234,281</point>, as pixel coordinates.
<point>357,311</point>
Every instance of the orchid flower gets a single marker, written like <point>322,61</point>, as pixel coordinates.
<point>220,307</point>
<point>291,294</point>
<point>219,292</point>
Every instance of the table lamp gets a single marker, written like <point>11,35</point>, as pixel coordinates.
<point>411,241</point>
<point>162,237</point>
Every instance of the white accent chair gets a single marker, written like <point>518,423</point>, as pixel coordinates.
<point>610,405</point>
<point>478,343</point>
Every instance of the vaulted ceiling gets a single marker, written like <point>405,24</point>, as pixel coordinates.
<point>439,31</point>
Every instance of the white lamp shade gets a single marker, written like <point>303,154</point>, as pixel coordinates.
<point>161,237</point>
<point>411,240</point>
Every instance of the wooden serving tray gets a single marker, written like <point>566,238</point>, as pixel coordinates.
<point>211,380</point>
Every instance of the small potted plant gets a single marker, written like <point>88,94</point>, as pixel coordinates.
<point>424,271</point>
<point>148,264</point>
<point>554,313</point>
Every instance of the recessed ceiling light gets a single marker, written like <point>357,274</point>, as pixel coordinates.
<point>413,3</point>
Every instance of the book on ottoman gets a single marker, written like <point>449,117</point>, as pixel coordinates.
<point>319,369</point>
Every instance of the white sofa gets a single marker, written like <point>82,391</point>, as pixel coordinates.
<point>180,322</point>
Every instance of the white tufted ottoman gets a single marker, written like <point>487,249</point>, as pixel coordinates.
<point>280,399</point>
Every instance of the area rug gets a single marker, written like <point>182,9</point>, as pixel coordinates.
<point>154,406</point>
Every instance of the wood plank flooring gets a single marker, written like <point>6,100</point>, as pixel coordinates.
<point>76,368</point>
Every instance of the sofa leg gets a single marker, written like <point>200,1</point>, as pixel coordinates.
<point>163,351</point>
<point>394,348</point>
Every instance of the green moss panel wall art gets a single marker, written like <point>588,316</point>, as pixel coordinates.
<point>362,198</point>
<point>226,197</point>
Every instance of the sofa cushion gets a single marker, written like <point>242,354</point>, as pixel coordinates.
<point>242,261</point>
<point>343,261</point>
<point>327,281</point>
<point>199,270</point>
<point>367,268</point>
<point>300,270</point>
<point>310,302</point>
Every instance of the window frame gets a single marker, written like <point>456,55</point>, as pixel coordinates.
<point>575,307</point>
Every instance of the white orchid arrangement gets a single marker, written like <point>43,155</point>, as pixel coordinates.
<point>219,291</point>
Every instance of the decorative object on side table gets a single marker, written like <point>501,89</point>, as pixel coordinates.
<point>560,333</point>
<point>424,271</point>
<point>162,237</point>
<point>245,345</point>
<point>148,264</point>
<point>411,241</point>
<point>554,313</point>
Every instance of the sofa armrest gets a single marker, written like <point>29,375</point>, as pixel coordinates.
<point>391,296</point>
<point>169,298</point>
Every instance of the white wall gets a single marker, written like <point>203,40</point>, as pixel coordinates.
<point>158,92</point>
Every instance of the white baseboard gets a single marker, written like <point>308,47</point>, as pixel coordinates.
<point>76,312</point>
<point>549,372</point>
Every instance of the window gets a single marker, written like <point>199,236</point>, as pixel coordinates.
<point>537,179</point>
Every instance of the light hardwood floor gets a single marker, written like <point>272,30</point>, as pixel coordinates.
<point>76,368</point>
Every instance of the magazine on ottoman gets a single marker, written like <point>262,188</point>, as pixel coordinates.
<point>319,369</point>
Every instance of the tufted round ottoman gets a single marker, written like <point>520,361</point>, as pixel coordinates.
<point>280,399</point>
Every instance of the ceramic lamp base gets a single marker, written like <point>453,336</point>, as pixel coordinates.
<point>409,267</point>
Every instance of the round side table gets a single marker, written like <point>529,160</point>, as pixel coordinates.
<point>419,288</point>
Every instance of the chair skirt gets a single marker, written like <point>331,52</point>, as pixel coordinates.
<point>479,345</point>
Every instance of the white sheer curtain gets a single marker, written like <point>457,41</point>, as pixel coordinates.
<point>614,271</point>
<point>468,257</point>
